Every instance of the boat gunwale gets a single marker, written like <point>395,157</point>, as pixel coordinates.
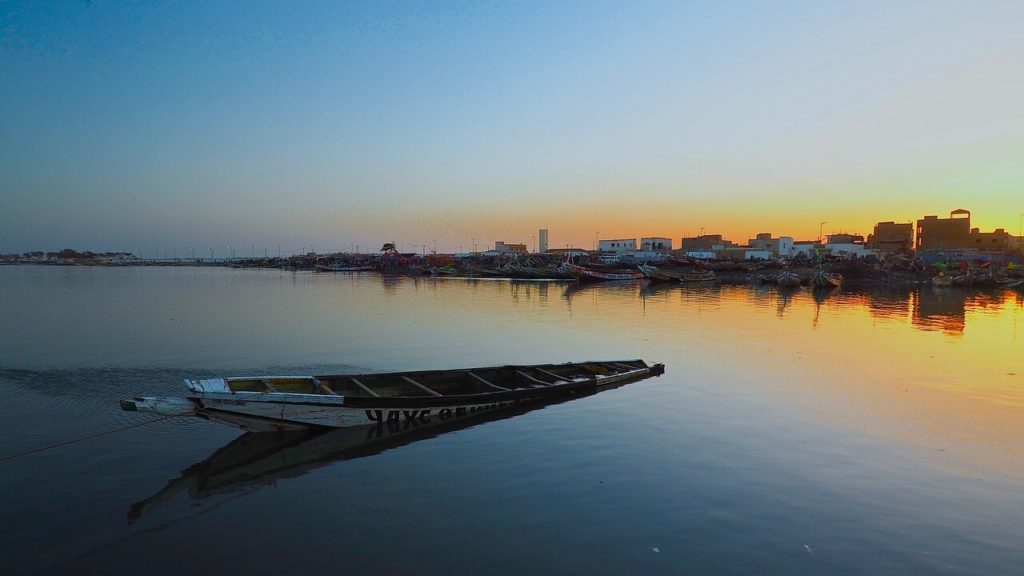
<point>638,368</point>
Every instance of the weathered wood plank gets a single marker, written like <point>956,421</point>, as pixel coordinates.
<point>364,388</point>
<point>421,386</point>
<point>488,384</point>
<point>324,388</point>
<point>532,379</point>
<point>555,376</point>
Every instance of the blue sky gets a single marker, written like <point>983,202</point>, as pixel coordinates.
<point>151,125</point>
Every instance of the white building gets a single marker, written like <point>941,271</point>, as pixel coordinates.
<point>705,255</point>
<point>649,256</point>
<point>618,245</point>
<point>807,248</point>
<point>655,244</point>
<point>542,240</point>
<point>781,246</point>
<point>847,250</point>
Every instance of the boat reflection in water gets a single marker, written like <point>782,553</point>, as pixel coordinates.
<point>254,460</point>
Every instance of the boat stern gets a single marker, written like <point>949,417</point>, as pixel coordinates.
<point>210,385</point>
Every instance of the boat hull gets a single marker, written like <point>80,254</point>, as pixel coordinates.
<point>280,411</point>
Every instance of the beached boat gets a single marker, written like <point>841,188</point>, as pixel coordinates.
<point>340,400</point>
<point>340,268</point>
<point>822,279</point>
<point>697,276</point>
<point>583,273</point>
<point>655,274</point>
<point>787,280</point>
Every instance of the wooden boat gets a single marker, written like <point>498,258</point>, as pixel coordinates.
<point>823,279</point>
<point>655,274</point>
<point>340,268</point>
<point>788,280</point>
<point>698,276</point>
<point>583,273</point>
<point>269,403</point>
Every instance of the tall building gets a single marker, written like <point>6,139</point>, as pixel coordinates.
<point>934,233</point>
<point>542,240</point>
<point>892,237</point>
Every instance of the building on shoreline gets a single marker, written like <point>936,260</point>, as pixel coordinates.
<point>891,238</point>
<point>934,233</point>
<point>542,240</point>
<point>781,246</point>
<point>953,238</point>
<point>704,243</point>
<point>503,248</point>
<point>655,244</point>
<point>846,245</point>
<point>617,245</point>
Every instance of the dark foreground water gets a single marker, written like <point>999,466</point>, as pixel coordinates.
<point>872,432</point>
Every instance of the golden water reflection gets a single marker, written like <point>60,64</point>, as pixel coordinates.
<point>943,369</point>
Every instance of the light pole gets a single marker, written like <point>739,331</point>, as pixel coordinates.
<point>820,225</point>
<point>1020,232</point>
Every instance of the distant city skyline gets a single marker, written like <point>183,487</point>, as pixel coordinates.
<point>147,126</point>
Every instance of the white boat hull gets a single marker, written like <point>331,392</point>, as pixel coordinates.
<point>265,411</point>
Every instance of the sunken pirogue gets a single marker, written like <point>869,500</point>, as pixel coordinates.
<point>267,403</point>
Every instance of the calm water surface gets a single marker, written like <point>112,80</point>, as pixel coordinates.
<point>877,432</point>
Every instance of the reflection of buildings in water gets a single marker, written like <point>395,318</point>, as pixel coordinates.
<point>888,301</point>
<point>528,290</point>
<point>940,309</point>
<point>761,295</point>
<point>389,282</point>
<point>945,308</point>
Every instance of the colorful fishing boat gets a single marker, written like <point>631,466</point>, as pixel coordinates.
<point>584,273</point>
<point>273,403</point>
<point>823,279</point>
<point>656,274</point>
<point>787,280</point>
<point>342,268</point>
<point>698,276</point>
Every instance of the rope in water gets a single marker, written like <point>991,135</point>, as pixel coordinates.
<point>84,438</point>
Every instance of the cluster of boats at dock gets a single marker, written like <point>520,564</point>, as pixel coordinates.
<point>977,279</point>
